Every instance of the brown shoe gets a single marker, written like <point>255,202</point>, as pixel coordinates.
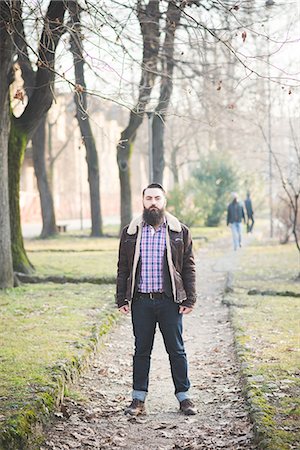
<point>135,408</point>
<point>187,407</point>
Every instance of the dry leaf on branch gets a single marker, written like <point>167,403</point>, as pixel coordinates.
<point>19,95</point>
<point>78,88</point>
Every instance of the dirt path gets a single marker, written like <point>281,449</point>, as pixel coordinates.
<point>97,421</point>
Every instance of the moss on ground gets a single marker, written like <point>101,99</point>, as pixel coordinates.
<point>267,338</point>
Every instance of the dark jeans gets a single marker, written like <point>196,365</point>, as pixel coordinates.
<point>250,225</point>
<point>146,313</point>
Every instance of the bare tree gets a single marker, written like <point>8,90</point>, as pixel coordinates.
<point>80,98</point>
<point>38,139</point>
<point>289,175</point>
<point>23,127</point>
<point>166,84</point>
<point>148,16</point>
<point>46,200</point>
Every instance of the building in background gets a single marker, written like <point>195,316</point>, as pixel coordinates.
<point>67,168</point>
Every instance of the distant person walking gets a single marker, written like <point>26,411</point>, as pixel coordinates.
<point>235,215</point>
<point>250,213</point>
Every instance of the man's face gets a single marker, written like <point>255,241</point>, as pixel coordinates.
<point>154,199</point>
<point>154,202</point>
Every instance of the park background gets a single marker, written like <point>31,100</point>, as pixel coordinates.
<point>200,96</point>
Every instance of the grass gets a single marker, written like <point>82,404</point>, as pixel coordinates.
<point>93,264</point>
<point>73,243</point>
<point>210,233</point>
<point>273,266</point>
<point>44,329</point>
<point>78,255</point>
<point>267,330</point>
<point>72,255</point>
<point>33,318</point>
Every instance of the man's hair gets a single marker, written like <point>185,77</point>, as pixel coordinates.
<point>154,185</point>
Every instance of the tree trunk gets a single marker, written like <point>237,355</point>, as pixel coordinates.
<point>93,172</point>
<point>158,131</point>
<point>166,87</point>
<point>80,98</point>
<point>16,150</point>
<point>50,172</point>
<point>93,178</point>
<point>23,127</point>
<point>174,165</point>
<point>6,267</point>
<point>46,200</point>
<point>149,22</point>
<point>124,152</point>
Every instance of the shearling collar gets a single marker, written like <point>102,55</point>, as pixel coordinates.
<point>173,223</point>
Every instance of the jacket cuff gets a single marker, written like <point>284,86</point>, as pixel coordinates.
<point>121,303</point>
<point>188,303</point>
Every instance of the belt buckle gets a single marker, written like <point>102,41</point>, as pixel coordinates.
<point>151,295</point>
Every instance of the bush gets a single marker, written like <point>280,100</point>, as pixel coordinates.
<point>181,203</point>
<point>215,177</point>
<point>203,199</point>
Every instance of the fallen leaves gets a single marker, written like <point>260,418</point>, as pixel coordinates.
<point>164,425</point>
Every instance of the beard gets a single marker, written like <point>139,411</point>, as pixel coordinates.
<point>153,216</point>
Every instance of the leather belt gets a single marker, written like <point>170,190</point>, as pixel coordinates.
<point>151,295</point>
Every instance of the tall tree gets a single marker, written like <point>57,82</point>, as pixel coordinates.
<point>148,17</point>
<point>289,174</point>
<point>80,98</point>
<point>40,170</point>
<point>38,140</point>
<point>7,12</point>
<point>23,127</point>
<point>166,85</point>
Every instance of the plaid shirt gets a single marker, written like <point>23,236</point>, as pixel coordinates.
<point>153,244</point>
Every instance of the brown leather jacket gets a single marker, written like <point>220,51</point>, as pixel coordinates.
<point>179,265</point>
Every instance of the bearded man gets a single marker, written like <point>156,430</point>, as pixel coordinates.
<point>157,282</point>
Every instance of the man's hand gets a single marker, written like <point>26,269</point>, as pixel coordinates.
<point>124,309</point>
<point>185,310</point>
